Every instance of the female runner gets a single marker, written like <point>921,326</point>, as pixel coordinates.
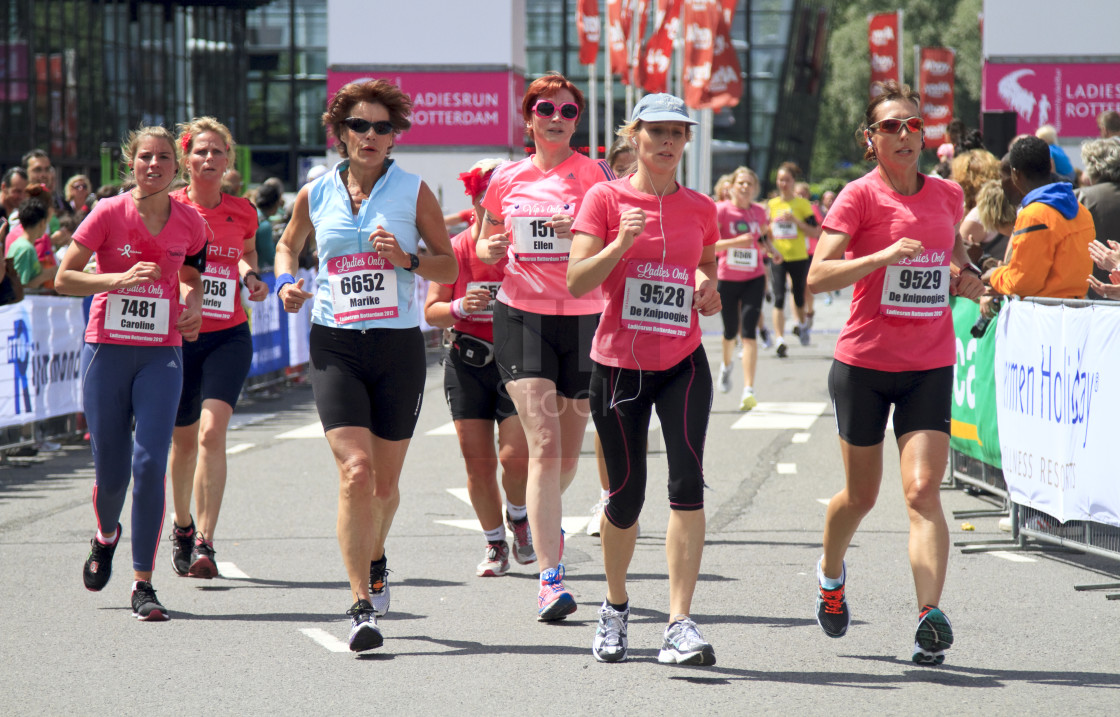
<point>542,333</point>
<point>792,224</point>
<point>132,361</point>
<point>474,389</point>
<point>367,352</point>
<point>216,365</point>
<point>897,347</point>
<point>650,244</point>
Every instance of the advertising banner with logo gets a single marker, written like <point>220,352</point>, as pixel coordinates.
<point>1056,383</point>
<point>936,71</point>
<point>1068,96</point>
<point>42,376</point>
<point>587,22</point>
<point>700,20</point>
<point>974,430</point>
<point>269,328</point>
<point>884,41</point>
<point>452,108</point>
<point>653,70</point>
<point>726,86</point>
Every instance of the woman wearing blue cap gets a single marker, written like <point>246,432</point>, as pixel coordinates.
<point>650,244</point>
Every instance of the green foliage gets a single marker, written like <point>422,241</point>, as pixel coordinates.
<point>838,149</point>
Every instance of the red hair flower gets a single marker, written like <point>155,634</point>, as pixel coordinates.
<point>475,181</point>
<point>185,142</point>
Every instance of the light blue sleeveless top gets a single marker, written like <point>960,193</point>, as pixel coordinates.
<point>338,233</point>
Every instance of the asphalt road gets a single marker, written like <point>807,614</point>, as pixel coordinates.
<point>269,636</point>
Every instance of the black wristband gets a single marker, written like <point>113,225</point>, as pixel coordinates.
<point>973,268</point>
<point>414,262</point>
<point>251,273</point>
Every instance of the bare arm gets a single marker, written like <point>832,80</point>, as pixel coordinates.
<point>591,260</point>
<point>287,253</point>
<point>830,271</point>
<point>492,241</point>
<point>72,280</point>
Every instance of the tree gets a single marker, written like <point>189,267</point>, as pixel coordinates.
<point>838,148</point>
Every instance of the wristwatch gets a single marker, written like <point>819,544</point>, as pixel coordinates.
<point>413,262</point>
<point>973,268</point>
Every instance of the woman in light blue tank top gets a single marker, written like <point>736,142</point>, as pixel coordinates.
<point>367,353</point>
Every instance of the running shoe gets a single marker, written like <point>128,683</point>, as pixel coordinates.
<point>748,402</point>
<point>933,638</point>
<point>828,298</point>
<point>379,586</point>
<point>764,338</point>
<point>182,543</point>
<point>523,551</point>
<point>145,605</point>
<point>832,607</point>
<point>803,334</point>
<point>99,565</point>
<point>796,331</point>
<point>202,559</point>
<point>782,350</point>
<point>496,562</point>
<point>724,378</point>
<point>364,632</point>
<point>609,644</point>
<point>594,523</point>
<point>684,645</point>
<point>553,601</point>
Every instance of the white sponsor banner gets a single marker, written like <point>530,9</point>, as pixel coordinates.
<point>1056,380</point>
<point>41,375</point>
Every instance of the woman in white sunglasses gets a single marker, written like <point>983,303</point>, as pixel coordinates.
<point>367,353</point>
<point>899,228</point>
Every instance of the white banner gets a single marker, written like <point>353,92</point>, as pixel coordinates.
<point>1056,383</point>
<point>299,324</point>
<point>42,373</point>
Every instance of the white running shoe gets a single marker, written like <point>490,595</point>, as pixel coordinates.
<point>748,401</point>
<point>609,644</point>
<point>596,518</point>
<point>685,646</point>
<point>724,378</point>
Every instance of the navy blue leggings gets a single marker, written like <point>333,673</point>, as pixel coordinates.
<point>120,383</point>
<point>682,396</point>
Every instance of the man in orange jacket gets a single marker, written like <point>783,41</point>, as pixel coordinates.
<point>1050,244</point>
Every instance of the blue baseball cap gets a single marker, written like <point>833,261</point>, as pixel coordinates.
<point>661,107</point>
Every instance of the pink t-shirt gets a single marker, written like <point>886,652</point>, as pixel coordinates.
<point>908,327</point>
<point>525,197</point>
<point>229,225</point>
<point>475,273</point>
<point>648,322</point>
<point>740,263</point>
<point>144,315</point>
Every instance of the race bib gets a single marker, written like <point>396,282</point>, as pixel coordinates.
<point>533,241</point>
<point>742,258</point>
<point>363,287</point>
<point>490,286</point>
<point>657,297</point>
<point>219,291</point>
<point>915,290</point>
<point>784,229</point>
<point>137,317</point>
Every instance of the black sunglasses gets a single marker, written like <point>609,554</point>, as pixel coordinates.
<point>545,108</point>
<point>892,125</point>
<point>361,126</point>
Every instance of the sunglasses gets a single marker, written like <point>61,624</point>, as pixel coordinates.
<point>79,185</point>
<point>894,126</point>
<point>361,126</point>
<point>546,108</point>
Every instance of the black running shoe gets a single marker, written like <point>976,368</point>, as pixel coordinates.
<point>782,350</point>
<point>379,586</point>
<point>832,607</point>
<point>182,543</point>
<point>145,605</point>
<point>202,559</point>
<point>364,632</point>
<point>933,638</point>
<point>99,565</point>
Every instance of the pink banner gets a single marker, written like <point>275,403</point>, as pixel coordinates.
<point>1068,96</point>
<point>883,38</point>
<point>936,73</point>
<point>453,108</point>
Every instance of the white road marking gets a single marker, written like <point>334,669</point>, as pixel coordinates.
<point>230,571</point>
<point>572,525</point>
<point>311,430</point>
<point>786,469</point>
<point>781,416</point>
<point>461,493</point>
<point>824,501</point>
<point>239,448</point>
<point>448,429</point>
<point>1013,557</point>
<point>240,420</point>
<point>800,438</point>
<point>325,639</point>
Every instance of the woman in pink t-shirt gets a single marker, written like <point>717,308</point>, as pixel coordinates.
<point>132,362</point>
<point>214,367</point>
<point>898,347</point>
<point>650,244</point>
<point>474,392</point>
<point>542,333</point>
<point>744,240</point>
